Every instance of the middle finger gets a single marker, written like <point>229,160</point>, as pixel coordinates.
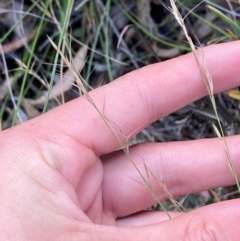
<point>181,167</point>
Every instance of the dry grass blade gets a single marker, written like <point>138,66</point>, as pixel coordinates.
<point>5,88</point>
<point>216,197</point>
<point>9,82</point>
<point>30,110</point>
<point>18,43</point>
<point>122,34</point>
<point>98,52</point>
<point>80,5</point>
<point>30,71</point>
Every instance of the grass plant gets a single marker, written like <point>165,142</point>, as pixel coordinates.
<point>207,78</point>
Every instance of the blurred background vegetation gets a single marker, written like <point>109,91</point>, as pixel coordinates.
<point>105,39</point>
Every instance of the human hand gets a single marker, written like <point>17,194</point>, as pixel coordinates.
<point>62,177</point>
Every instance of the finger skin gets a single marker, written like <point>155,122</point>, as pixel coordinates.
<point>144,218</point>
<point>183,167</point>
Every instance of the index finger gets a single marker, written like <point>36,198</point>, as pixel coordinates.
<point>137,99</point>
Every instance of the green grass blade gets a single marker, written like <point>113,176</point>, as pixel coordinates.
<point>61,37</point>
<point>226,19</point>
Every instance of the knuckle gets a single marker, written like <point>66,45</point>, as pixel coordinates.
<point>203,229</point>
